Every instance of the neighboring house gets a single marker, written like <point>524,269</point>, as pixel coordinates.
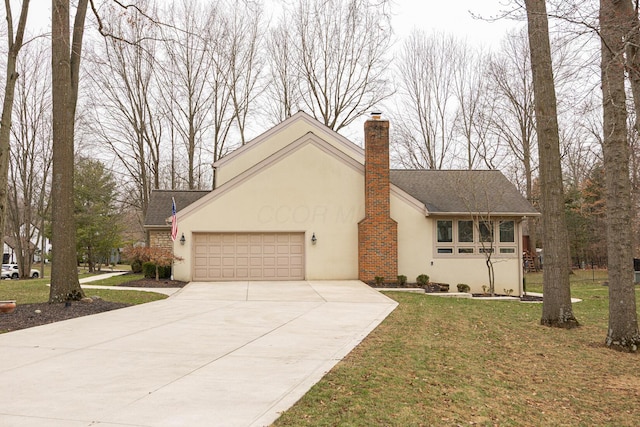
<point>10,246</point>
<point>302,202</point>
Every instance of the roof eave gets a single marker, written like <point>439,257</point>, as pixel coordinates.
<point>520,214</point>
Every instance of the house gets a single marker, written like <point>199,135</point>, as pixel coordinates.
<point>301,202</point>
<point>11,246</point>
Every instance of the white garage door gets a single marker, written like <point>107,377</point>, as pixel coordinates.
<point>248,256</point>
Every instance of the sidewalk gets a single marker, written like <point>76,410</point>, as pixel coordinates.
<point>165,291</point>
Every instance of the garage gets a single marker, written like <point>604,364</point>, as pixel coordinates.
<point>248,256</point>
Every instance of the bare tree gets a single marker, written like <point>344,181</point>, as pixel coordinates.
<point>127,114</point>
<point>284,82</point>
<point>338,52</point>
<point>244,34</point>
<point>556,308</point>
<point>476,105</point>
<point>617,18</point>
<point>513,121</point>
<point>30,167</point>
<point>187,42</point>
<point>425,130</point>
<point>15,41</point>
<point>65,64</point>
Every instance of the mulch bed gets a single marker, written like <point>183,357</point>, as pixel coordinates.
<point>152,283</point>
<point>29,315</point>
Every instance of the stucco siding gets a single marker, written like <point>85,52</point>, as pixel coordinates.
<point>414,251</point>
<point>272,142</point>
<point>416,255</point>
<point>308,191</point>
<point>473,272</point>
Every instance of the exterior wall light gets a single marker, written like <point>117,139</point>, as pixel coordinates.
<point>313,239</point>
<point>182,239</point>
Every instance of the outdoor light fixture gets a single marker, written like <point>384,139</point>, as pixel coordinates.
<point>313,239</point>
<point>182,239</point>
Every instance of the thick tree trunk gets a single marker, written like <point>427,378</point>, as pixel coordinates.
<point>65,63</point>
<point>556,308</point>
<point>623,322</point>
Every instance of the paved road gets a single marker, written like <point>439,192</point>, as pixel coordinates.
<point>213,354</point>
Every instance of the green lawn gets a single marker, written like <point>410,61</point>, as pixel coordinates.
<point>459,362</point>
<point>29,291</point>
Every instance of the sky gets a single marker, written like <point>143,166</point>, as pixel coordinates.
<point>450,16</point>
<point>453,17</point>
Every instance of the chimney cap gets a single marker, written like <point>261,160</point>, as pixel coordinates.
<point>375,115</point>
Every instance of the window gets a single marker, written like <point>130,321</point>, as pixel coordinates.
<point>476,238</point>
<point>445,231</point>
<point>507,232</point>
<point>486,231</point>
<point>465,231</point>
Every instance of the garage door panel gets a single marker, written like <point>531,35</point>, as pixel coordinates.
<point>256,256</point>
<point>269,261</point>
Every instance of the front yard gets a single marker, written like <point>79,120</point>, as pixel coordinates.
<point>449,362</point>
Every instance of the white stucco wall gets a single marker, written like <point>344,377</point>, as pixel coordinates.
<point>307,191</point>
<point>274,140</point>
<point>416,256</point>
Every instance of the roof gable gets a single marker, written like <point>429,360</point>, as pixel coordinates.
<point>463,191</point>
<point>275,139</point>
<point>308,139</point>
<point>159,208</point>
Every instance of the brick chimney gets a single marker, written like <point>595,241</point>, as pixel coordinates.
<point>377,232</point>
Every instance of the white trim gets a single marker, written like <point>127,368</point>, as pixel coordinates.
<point>299,116</point>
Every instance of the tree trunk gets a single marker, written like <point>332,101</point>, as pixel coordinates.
<point>623,322</point>
<point>65,66</point>
<point>556,308</point>
<point>7,106</point>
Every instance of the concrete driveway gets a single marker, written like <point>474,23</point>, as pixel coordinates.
<point>213,354</point>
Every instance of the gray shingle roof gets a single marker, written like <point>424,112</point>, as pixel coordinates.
<point>442,192</point>
<point>463,191</point>
<point>159,208</point>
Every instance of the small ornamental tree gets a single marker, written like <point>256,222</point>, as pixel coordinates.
<point>160,257</point>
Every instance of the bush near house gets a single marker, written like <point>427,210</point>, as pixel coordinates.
<point>462,287</point>
<point>149,270</point>
<point>423,280</point>
<point>157,259</point>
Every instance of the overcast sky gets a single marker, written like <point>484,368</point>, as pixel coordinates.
<point>454,17</point>
<point>451,16</point>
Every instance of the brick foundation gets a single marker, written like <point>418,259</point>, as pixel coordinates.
<point>377,232</point>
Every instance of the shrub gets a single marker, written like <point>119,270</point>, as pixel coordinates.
<point>379,280</point>
<point>402,280</point>
<point>149,271</point>
<point>136,266</point>
<point>163,258</point>
<point>423,280</point>
<point>463,287</point>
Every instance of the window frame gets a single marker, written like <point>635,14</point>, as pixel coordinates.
<point>458,248</point>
